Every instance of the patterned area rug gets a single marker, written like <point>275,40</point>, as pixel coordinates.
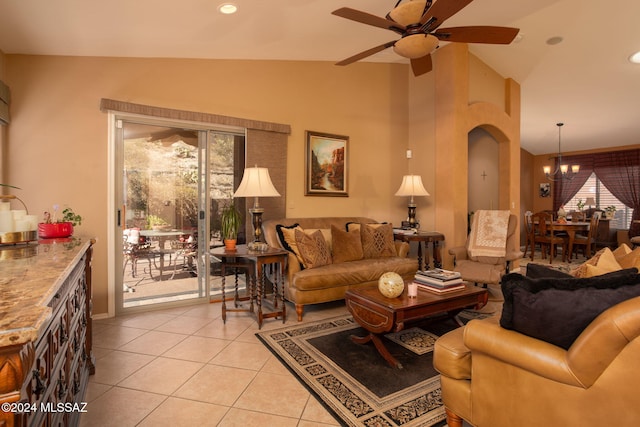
<point>415,339</point>
<point>354,382</point>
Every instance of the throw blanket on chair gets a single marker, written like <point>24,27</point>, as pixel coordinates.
<point>488,235</point>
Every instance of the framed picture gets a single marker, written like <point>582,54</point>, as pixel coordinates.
<point>326,164</point>
<point>545,189</point>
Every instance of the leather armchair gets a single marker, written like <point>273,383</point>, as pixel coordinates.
<point>494,377</point>
<point>488,270</point>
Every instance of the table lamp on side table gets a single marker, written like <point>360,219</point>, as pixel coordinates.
<point>255,183</point>
<point>412,186</point>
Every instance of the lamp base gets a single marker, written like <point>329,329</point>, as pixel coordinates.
<point>256,214</point>
<point>406,225</point>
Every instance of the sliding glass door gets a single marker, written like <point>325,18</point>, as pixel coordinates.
<point>172,181</point>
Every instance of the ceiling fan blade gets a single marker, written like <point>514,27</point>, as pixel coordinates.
<point>441,11</point>
<point>478,34</point>
<point>367,18</point>
<point>421,65</point>
<point>366,53</point>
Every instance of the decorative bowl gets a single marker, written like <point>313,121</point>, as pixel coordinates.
<point>391,284</point>
<point>55,230</point>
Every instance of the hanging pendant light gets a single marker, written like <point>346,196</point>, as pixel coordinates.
<point>562,170</point>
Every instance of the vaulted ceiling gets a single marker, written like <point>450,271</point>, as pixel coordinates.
<point>585,81</point>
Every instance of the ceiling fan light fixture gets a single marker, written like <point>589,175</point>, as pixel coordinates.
<point>416,45</point>
<point>408,12</point>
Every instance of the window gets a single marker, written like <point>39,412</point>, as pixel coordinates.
<point>603,197</point>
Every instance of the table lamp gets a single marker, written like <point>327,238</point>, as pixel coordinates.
<point>255,183</point>
<point>412,186</point>
<point>590,201</point>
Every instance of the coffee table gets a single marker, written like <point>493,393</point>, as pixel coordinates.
<point>380,315</point>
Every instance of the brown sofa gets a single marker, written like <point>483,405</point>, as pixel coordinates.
<point>330,282</point>
<point>496,377</point>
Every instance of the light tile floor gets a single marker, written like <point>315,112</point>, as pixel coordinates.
<point>185,367</point>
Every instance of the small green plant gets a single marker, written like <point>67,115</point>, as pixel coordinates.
<point>230,221</point>
<point>610,210</point>
<point>155,221</point>
<point>68,215</point>
<point>580,204</point>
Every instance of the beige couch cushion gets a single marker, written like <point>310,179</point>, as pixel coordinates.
<point>313,249</point>
<point>347,245</point>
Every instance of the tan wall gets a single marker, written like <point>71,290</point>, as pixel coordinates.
<point>58,137</point>
<point>456,114</point>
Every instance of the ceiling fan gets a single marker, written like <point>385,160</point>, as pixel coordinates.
<point>417,21</point>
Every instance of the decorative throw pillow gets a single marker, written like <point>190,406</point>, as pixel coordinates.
<point>347,245</point>
<point>630,259</point>
<point>621,251</point>
<point>513,281</point>
<point>377,240</point>
<point>606,264</point>
<point>286,235</point>
<point>326,233</point>
<point>581,270</point>
<point>313,249</point>
<point>559,316</point>
<point>536,271</point>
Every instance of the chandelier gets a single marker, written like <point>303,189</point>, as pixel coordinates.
<point>562,170</point>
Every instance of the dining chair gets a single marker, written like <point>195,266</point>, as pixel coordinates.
<point>528,229</point>
<point>545,235</point>
<point>578,216</point>
<point>587,243</point>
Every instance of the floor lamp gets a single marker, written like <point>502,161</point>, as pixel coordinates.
<point>256,183</point>
<point>412,186</point>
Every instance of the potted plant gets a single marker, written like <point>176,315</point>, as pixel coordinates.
<point>54,227</point>
<point>154,222</point>
<point>610,211</point>
<point>230,223</point>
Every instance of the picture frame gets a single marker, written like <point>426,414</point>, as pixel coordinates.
<point>545,189</point>
<point>326,164</point>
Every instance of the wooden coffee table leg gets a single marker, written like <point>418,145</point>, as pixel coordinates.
<point>379,346</point>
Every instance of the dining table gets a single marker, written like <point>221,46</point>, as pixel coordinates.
<point>570,227</point>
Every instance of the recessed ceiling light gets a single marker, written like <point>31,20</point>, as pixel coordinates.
<point>635,58</point>
<point>228,8</point>
<point>554,40</point>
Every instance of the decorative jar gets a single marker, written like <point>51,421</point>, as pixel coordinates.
<point>391,284</point>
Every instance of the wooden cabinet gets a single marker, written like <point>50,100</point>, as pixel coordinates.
<point>49,372</point>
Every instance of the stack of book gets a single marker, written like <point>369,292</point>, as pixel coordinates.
<point>439,280</point>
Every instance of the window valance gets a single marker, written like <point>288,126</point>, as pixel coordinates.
<point>193,116</point>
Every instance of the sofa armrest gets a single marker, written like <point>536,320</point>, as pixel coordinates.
<point>402,249</point>
<point>513,255</point>
<point>538,357</point>
<point>459,253</point>
<point>293,266</point>
<point>601,342</point>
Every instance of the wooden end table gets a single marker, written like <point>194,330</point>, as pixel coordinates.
<point>427,237</point>
<point>380,315</point>
<point>258,262</point>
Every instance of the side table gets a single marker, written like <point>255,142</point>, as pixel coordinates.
<point>258,262</point>
<point>427,237</point>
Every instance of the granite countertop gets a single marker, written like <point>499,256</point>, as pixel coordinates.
<point>29,277</point>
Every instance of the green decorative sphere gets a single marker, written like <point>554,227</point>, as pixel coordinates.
<point>391,284</point>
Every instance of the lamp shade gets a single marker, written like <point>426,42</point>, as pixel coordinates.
<point>412,186</point>
<point>256,182</point>
<point>590,201</point>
